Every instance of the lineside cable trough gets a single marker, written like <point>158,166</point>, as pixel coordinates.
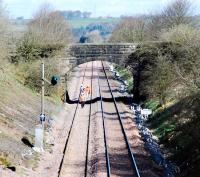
<point>39,129</point>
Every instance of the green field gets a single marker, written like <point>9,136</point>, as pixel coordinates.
<point>77,23</point>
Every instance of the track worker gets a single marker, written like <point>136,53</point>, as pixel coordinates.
<point>82,88</point>
<point>88,91</point>
<point>82,99</point>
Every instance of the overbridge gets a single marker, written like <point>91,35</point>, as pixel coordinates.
<point>76,54</point>
<point>82,53</point>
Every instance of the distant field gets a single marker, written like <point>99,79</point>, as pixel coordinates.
<point>76,23</point>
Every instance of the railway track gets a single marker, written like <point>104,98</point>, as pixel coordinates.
<point>107,152</point>
<point>69,137</point>
<point>116,164</point>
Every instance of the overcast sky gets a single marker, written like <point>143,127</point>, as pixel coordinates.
<point>98,8</point>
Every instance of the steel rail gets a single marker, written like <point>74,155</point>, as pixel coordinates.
<point>88,133</point>
<point>104,132</point>
<point>133,161</point>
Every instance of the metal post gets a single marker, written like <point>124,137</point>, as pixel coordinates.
<point>39,129</point>
<point>42,93</point>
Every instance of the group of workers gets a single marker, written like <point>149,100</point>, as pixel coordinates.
<point>85,93</point>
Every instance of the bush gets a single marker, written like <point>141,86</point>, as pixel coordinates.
<point>187,59</point>
<point>161,78</point>
<point>182,34</point>
<point>27,48</point>
<point>4,24</point>
<point>129,29</point>
<point>29,74</point>
<point>50,27</point>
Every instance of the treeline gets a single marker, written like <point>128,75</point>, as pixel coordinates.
<point>94,32</point>
<point>69,14</point>
<point>166,69</point>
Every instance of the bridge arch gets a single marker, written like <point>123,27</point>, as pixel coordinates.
<point>115,53</point>
<point>77,54</point>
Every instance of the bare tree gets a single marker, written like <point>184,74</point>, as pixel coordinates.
<point>130,29</point>
<point>176,13</point>
<point>187,61</point>
<point>50,26</point>
<point>94,37</point>
<point>154,27</point>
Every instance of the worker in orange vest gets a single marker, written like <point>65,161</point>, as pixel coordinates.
<point>82,98</point>
<point>87,91</point>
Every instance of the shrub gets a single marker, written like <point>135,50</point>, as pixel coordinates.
<point>27,48</point>
<point>161,78</point>
<point>129,29</point>
<point>4,24</point>
<point>187,59</point>
<point>50,27</point>
<point>182,34</point>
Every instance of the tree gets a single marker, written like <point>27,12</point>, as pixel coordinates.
<point>161,78</point>
<point>50,27</point>
<point>94,37</point>
<point>176,13</point>
<point>187,60</point>
<point>130,29</point>
<point>86,14</point>
<point>141,62</point>
<point>154,27</point>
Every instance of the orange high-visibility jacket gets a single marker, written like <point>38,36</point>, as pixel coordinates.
<point>88,89</point>
<point>82,97</point>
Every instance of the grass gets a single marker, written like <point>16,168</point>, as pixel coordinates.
<point>177,127</point>
<point>20,109</point>
<point>4,160</point>
<point>152,104</point>
<point>126,75</point>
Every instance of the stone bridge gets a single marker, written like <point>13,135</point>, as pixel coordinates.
<point>82,53</point>
<point>77,54</point>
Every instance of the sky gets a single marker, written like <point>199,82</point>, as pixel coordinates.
<point>115,8</point>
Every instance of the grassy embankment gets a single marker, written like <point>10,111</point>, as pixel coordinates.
<point>176,124</point>
<point>20,85</point>
<point>177,128</point>
<point>19,113</point>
